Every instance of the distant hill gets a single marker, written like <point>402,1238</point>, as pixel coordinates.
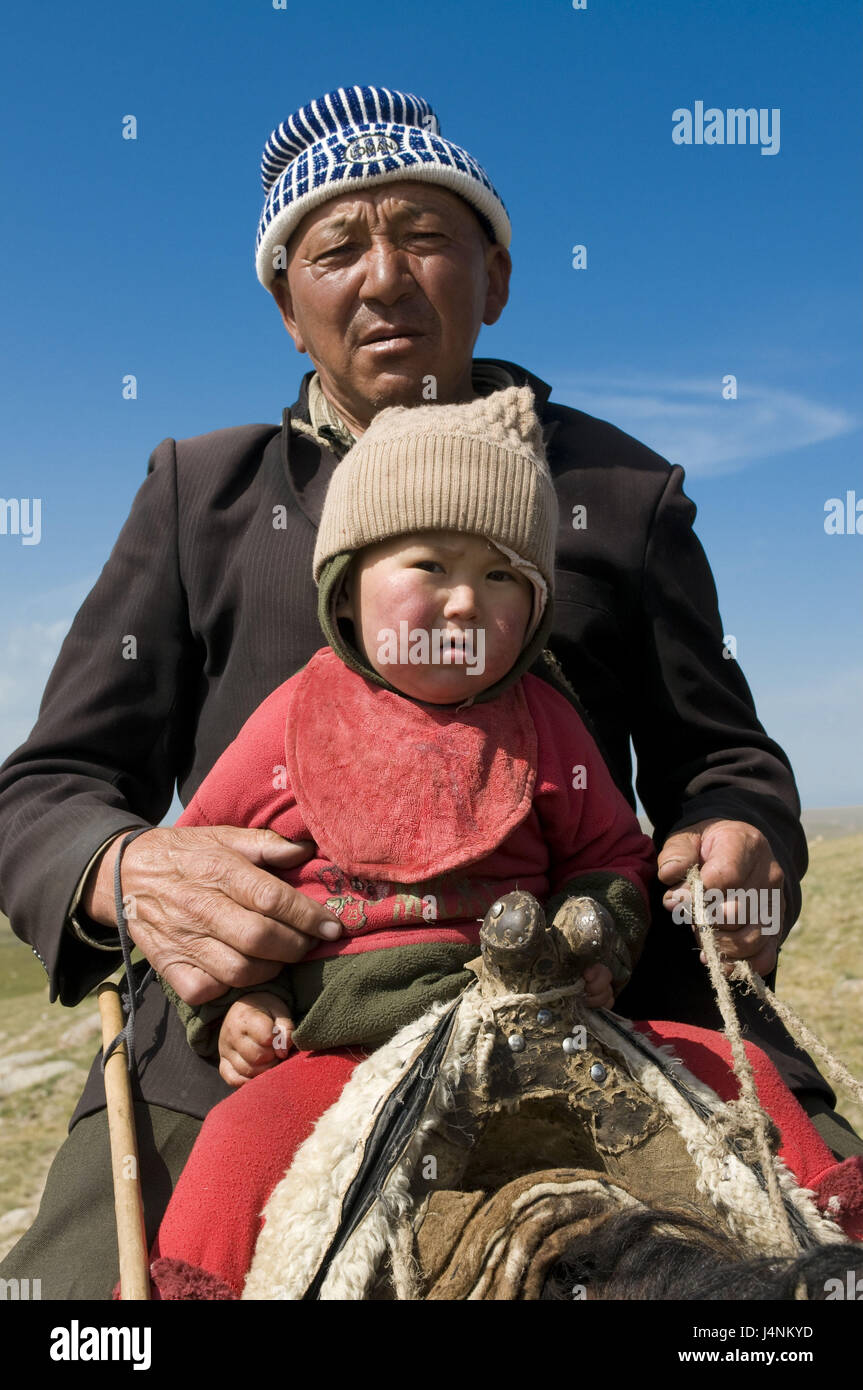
<point>820,823</point>
<point>833,821</point>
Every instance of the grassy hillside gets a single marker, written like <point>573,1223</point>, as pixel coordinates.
<point>45,1054</point>
<point>45,1051</point>
<point>821,966</point>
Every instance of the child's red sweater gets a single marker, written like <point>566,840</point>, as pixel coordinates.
<point>422,815</point>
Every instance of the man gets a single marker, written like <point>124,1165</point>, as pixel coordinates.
<point>385,247</point>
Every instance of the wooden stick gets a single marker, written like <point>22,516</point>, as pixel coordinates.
<point>128,1204</point>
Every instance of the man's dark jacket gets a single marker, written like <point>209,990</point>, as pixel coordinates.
<point>212,576</point>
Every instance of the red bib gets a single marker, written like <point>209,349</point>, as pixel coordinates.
<point>400,791</point>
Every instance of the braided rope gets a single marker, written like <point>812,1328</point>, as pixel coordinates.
<point>501,1001</point>
<point>747,1110</point>
<point>794,1023</point>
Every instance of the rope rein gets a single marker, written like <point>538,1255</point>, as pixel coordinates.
<point>747,1109</point>
<point>837,1069</point>
<point>745,975</point>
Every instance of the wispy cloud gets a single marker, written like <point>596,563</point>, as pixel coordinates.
<point>687,421</point>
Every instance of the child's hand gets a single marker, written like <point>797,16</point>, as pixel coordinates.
<point>598,992</point>
<point>255,1035</point>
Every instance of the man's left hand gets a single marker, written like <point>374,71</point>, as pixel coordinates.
<point>731,854</point>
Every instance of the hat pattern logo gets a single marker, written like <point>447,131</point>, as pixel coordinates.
<point>367,147</point>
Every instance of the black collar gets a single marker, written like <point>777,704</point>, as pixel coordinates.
<point>309,465</point>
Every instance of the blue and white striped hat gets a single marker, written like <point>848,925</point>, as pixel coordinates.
<point>356,137</point>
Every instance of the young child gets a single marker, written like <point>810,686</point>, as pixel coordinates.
<point>429,787</point>
<point>432,773</point>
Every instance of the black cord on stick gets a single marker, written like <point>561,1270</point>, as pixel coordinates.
<point>132,997</point>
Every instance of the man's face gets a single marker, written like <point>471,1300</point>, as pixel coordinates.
<point>387,288</point>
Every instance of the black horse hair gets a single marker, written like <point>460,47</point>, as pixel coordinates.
<point>627,1257</point>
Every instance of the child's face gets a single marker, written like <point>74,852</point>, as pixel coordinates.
<point>440,615</point>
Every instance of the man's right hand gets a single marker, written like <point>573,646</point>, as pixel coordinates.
<point>203,909</point>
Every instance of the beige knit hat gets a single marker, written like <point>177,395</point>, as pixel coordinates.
<point>478,468</point>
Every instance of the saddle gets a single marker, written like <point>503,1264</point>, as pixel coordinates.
<point>464,1155</point>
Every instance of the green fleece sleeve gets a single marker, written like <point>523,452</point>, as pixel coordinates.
<point>203,1022</point>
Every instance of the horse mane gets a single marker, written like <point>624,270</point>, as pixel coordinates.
<point>663,1255</point>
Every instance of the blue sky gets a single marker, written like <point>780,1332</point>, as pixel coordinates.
<point>137,256</point>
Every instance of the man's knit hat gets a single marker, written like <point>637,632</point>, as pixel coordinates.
<point>353,138</point>
<point>478,468</point>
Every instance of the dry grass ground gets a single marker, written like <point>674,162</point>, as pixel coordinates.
<point>45,1051</point>
<point>821,967</point>
<point>45,1054</point>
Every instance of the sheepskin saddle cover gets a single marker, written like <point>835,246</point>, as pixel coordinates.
<point>451,1129</point>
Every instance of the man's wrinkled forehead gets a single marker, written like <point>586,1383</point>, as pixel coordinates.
<point>404,203</point>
